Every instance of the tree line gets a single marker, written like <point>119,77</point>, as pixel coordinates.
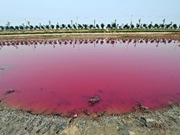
<point>94,26</point>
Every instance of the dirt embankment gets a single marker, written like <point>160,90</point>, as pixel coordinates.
<point>159,122</point>
<point>67,36</point>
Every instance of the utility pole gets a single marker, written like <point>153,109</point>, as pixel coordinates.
<point>131,19</point>
<point>71,23</point>
<point>77,22</point>
<point>94,23</point>
<point>8,23</point>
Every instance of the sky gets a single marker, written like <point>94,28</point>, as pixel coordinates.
<point>86,11</point>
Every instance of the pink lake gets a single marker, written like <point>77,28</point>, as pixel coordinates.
<point>60,76</point>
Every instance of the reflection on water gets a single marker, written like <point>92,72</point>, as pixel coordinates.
<point>65,76</point>
<point>93,42</point>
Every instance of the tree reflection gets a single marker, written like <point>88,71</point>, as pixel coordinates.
<point>94,42</point>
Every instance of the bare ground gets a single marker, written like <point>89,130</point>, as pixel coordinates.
<point>158,122</point>
<point>22,37</point>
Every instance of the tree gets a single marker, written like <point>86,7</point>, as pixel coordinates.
<point>42,27</point>
<point>114,26</point>
<point>12,28</point>
<point>31,27</point>
<point>120,27</point>
<point>63,26</point>
<point>69,26</point>
<point>7,27</point>
<point>174,26</point>
<point>126,26</point>
<point>97,26</point>
<point>91,26</point>
<point>145,26</point>
<point>132,26</point>
<point>162,26</point>
<point>108,26</point>
<point>26,27</point>
<point>169,25</point>
<point>47,27</point>
<point>74,26</point>
<point>52,26</point>
<point>16,27</point>
<point>57,26</point>
<point>156,26</point>
<point>150,26</point>
<point>36,27</point>
<point>137,25</point>
<point>85,26</point>
<point>1,28</point>
<point>102,25</point>
<point>21,27</point>
<point>80,26</point>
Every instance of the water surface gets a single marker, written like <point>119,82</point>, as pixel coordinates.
<point>60,76</point>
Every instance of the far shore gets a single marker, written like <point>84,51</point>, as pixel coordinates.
<point>70,36</point>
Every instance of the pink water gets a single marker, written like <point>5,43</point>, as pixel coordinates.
<point>60,76</point>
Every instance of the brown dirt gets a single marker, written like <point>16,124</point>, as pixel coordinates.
<point>22,37</point>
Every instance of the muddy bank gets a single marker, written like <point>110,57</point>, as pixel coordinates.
<point>159,122</point>
<point>67,36</point>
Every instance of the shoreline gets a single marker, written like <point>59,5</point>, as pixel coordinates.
<point>157,122</point>
<point>68,36</point>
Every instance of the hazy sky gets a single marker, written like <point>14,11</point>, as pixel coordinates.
<point>85,11</point>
